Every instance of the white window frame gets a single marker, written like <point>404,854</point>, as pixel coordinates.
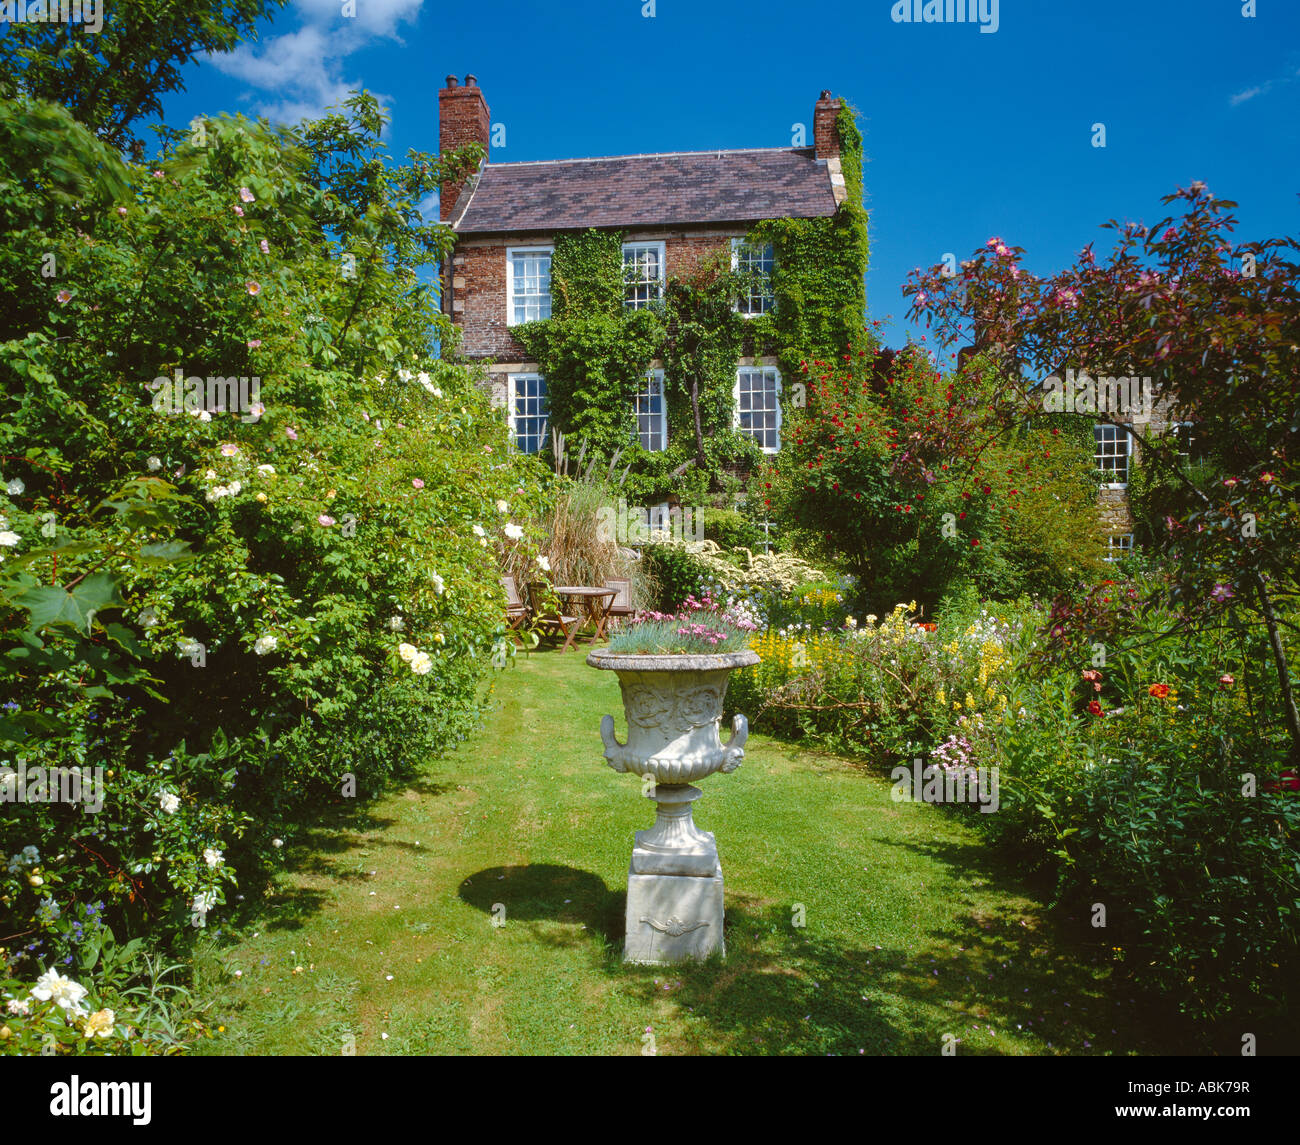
<point>662,282</point>
<point>736,245</point>
<point>770,371</point>
<point>511,253</point>
<point>1097,455</point>
<point>1114,551</point>
<point>512,396</point>
<point>643,392</point>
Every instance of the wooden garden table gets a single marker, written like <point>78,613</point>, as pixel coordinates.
<point>597,602</point>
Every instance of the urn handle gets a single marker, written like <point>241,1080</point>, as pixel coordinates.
<point>615,752</point>
<point>736,745</point>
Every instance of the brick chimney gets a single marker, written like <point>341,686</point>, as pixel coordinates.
<point>826,139</point>
<point>462,118</point>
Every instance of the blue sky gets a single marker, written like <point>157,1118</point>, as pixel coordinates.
<point>968,133</point>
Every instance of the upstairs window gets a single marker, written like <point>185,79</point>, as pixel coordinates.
<point>528,411</point>
<point>528,284</point>
<point>758,405</point>
<point>755,261</point>
<point>651,413</point>
<point>1112,451</point>
<point>643,274</point>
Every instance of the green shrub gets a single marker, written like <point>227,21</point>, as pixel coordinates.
<point>229,616</point>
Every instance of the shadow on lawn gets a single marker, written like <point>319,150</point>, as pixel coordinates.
<point>790,990</point>
<point>538,892</point>
<point>783,990</point>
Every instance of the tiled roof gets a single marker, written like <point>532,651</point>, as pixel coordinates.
<point>645,190</point>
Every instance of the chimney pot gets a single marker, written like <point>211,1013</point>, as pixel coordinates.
<point>826,95</point>
<point>452,81</point>
<point>471,81</point>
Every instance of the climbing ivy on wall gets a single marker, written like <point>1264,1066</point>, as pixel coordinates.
<point>591,351</point>
<point>594,353</point>
<point>818,277</point>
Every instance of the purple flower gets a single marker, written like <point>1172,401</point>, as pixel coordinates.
<point>1222,592</point>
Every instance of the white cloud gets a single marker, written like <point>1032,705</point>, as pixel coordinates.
<point>1242,96</point>
<point>378,17</point>
<point>300,74</point>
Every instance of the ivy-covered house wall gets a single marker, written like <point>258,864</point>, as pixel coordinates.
<point>595,349</point>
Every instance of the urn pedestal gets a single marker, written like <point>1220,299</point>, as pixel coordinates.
<point>673,706</point>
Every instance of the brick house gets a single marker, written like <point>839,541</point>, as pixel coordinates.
<point>672,209</point>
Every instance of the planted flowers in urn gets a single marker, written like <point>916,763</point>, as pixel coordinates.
<point>673,673</point>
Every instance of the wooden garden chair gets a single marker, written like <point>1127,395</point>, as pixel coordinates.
<point>621,605</point>
<point>517,611</point>
<point>549,620</point>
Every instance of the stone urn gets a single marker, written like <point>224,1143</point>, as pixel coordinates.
<point>673,706</point>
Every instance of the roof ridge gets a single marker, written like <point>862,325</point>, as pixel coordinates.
<point>659,155</point>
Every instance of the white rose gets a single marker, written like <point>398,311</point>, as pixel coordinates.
<point>15,487</point>
<point>514,532</point>
<point>169,802</point>
<point>407,651</point>
<point>67,993</point>
<point>154,463</point>
<point>478,531</point>
<point>545,563</point>
<point>9,539</point>
<point>265,644</point>
<point>212,857</point>
<point>439,585</point>
<point>421,663</point>
<point>502,507</point>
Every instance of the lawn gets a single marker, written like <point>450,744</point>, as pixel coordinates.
<point>382,933</point>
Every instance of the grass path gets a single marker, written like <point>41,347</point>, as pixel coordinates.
<point>912,933</point>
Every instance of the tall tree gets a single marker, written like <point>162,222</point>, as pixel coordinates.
<point>111,79</point>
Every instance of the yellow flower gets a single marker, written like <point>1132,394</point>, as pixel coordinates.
<point>100,1023</point>
<point>970,700</point>
<point>261,497</point>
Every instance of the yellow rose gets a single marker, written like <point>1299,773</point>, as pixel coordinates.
<point>261,497</point>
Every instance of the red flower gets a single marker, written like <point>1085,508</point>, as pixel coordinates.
<point>1160,691</point>
<point>1094,708</point>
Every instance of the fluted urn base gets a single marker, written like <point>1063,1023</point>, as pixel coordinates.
<point>674,845</point>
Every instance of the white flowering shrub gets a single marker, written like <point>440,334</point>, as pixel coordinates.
<point>196,604</point>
